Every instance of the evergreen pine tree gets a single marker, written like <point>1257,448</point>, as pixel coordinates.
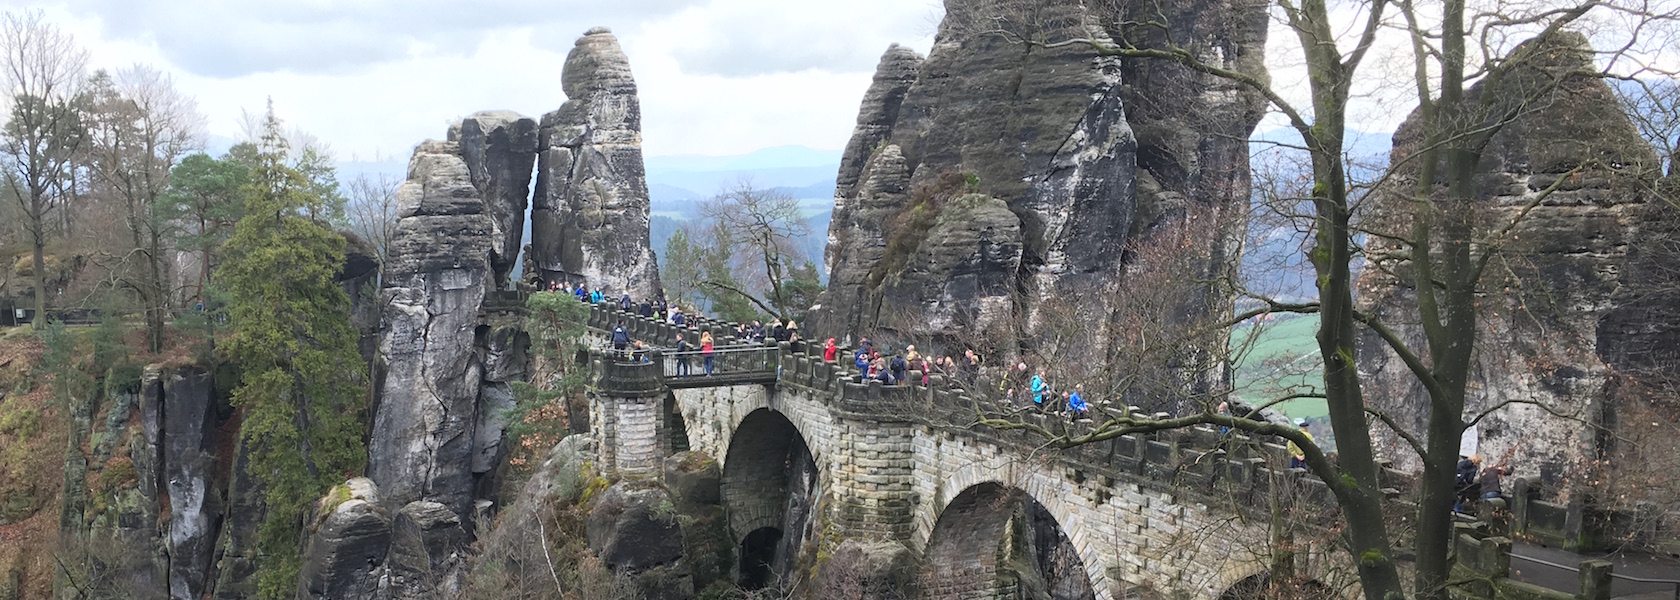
<point>303,382</point>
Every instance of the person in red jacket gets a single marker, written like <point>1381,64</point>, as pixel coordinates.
<point>830,351</point>
<point>706,350</point>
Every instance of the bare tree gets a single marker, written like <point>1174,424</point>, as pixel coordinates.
<point>1654,106</point>
<point>763,229</point>
<point>139,126</point>
<point>1443,245</point>
<point>372,210</point>
<point>41,68</point>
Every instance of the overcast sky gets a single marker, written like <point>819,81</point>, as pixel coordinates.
<point>717,77</point>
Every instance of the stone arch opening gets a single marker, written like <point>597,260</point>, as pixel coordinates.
<point>770,484</point>
<point>675,425</point>
<point>758,557</point>
<point>1262,586</point>
<point>995,541</point>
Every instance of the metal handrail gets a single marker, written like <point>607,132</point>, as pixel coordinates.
<point>1613,574</point>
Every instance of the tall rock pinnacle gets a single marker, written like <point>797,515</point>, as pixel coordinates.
<point>590,217</point>
<point>439,422</point>
<point>995,182</point>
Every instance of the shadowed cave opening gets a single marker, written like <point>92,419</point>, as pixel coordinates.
<point>995,541</point>
<point>758,557</point>
<point>770,488</point>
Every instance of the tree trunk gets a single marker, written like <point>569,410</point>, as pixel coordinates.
<point>38,243</point>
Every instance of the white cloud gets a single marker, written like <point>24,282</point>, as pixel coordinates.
<point>752,37</point>
<point>377,77</point>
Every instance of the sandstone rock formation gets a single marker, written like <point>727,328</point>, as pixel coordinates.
<point>590,217</point>
<point>428,546</point>
<point>439,423</point>
<point>500,148</point>
<point>436,279</point>
<point>1552,327</point>
<point>1053,138</point>
<point>346,553</point>
<point>186,435</point>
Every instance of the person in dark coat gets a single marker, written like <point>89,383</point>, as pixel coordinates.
<point>1465,483</point>
<point>1490,482</point>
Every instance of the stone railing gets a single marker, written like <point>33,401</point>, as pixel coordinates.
<point>1577,524</point>
<point>1483,567</point>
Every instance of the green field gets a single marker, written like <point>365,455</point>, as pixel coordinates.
<point>1276,358</point>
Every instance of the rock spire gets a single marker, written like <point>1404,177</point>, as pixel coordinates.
<point>590,217</point>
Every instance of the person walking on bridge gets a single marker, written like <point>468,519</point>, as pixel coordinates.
<point>1039,388</point>
<point>706,351</point>
<point>1076,403</point>
<point>830,351</point>
<point>683,348</point>
<point>620,339</point>
<point>1297,456</point>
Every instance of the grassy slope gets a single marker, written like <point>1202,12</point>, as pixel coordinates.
<point>32,438</point>
<point>1281,358</point>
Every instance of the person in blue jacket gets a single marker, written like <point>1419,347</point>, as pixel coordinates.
<point>1076,403</point>
<point>1038,389</point>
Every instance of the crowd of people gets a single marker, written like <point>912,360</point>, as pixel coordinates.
<point>901,366</point>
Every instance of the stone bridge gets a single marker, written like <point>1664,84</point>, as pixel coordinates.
<point>814,456</point>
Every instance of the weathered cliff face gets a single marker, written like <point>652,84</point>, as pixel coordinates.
<point>1049,135</point>
<point>1550,321</point>
<point>436,279</point>
<point>449,354</point>
<point>157,485</point>
<point>590,217</point>
<point>500,148</point>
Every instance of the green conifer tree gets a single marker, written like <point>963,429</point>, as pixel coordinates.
<point>303,382</point>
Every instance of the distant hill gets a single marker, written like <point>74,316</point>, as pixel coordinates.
<point>782,157</point>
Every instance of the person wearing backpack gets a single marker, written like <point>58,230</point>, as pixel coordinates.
<point>898,366</point>
<point>620,339</point>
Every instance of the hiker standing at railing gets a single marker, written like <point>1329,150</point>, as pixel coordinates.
<point>706,350</point>
<point>683,367</point>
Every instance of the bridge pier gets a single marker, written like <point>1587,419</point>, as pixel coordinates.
<point>627,416</point>
<point>874,476</point>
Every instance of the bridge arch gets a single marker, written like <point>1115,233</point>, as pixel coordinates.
<point>993,540</point>
<point>771,485</point>
<point>1044,490</point>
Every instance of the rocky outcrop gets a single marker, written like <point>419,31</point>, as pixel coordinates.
<point>893,77</point>
<point>1048,135</point>
<point>360,281</point>
<point>500,148</point>
<point>590,217</point>
<point>437,275</point>
<point>1551,326</point>
<point>961,273</point>
<point>428,546</point>
<point>634,527</point>
<point>189,485</point>
<point>346,552</point>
